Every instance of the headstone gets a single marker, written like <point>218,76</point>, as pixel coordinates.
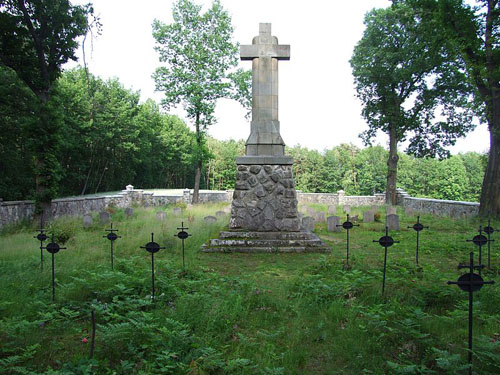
<point>210,219</point>
<point>347,209</point>
<point>354,219</point>
<point>87,221</point>
<point>391,210</point>
<point>320,217</point>
<point>177,211</point>
<point>392,222</point>
<point>333,223</point>
<point>220,214</point>
<point>409,211</point>
<point>129,211</point>
<point>308,223</point>
<point>161,216</point>
<point>104,217</point>
<point>368,217</point>
<point>375,208</point>
<point>332,209</point>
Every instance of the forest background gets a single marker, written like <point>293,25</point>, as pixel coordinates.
<point>109,139</point>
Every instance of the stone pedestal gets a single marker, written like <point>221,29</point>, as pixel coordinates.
<point>264,199</point>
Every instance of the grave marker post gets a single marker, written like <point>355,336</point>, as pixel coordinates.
<point>470,282</point>
<point>489,231</point>
<point>480,240</point>
<point>111,236</point>
<point>53,248</point>
<point>152,247</point>
<point>418,227</point>
<point>385,241</point>
<point>41,237</point>
<point>347,225</point>
<point>182,235</point>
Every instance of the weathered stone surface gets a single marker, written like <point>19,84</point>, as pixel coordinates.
<point>392,222</point>
<point>409,211</point>
<point>391,210</point>
<point>129,211</point>
<point>177,211</point>
<point>104,217</point>
<point>210,219</point>
<point>265,201</point>
<point>161,216</point>
<point>332,222</point>
<point>220,213</point>
<point>308,223</point>
<point>320,217</point>
<point>87,221</point>
<point>368,217</point>
<point>347,209</point>
<point>266,242</point>
<point>332,209</point>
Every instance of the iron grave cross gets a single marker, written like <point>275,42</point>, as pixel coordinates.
<point>265,138</point>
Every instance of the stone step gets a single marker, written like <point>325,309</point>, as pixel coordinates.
<point>268,235</point>
<point>264,249</point>
<point>264,243</point>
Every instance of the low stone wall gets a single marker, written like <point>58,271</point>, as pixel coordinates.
<point>454,209</point>
<point>15,211</point>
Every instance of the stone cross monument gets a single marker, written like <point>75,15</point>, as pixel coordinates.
<point>264,215</point>
<point>264,198</point>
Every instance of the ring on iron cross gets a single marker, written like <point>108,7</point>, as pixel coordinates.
<point>386,241</point>
<point>480,240</point>
<point>152,247</point>
<point>466,284</point>
<point>182,235</point>
<point>41,237</point>
<point>347,225</point>
<point>112,236</point>
<point>418,227</point>
<point>488,230</point>
<point>53,248</point>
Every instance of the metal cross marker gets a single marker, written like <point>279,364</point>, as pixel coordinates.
<point>418,227</point>
<point>480,240</point>
<point>152,247</point>
<point>182,235</point>
<point>347,225</point>
<point>41,237</point>
<point>385,241</point>
<point>111,236</point>
<point>470,282</point>
<point>53,248</point>
<point>489,231</point>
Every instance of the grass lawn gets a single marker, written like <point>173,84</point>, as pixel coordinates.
<point>244,313</point>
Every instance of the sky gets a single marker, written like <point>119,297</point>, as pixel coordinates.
<point>318,108</point>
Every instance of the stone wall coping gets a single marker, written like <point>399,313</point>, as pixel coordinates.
<point>14,203</point>
<point>328,194</point>
<point>443,201</point>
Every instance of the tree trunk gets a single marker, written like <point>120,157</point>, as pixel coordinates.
<point>490,192</point>
<point>392,167</point>
<point>197,176</point>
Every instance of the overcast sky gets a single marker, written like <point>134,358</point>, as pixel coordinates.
<point>317,104</point>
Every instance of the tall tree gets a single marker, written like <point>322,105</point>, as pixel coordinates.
<point>474,31</point>
<point>395,71</point>
<point>200,60</point>
<point>36,38</point>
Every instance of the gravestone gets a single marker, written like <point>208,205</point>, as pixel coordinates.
<point>354,218</point>
<point>104,217</point>
<point>87,221</point>
<point>409,211</point>
<point>265,206</point>
<point>129,211</point>
<point>320,217</point>
<point>308,223</point>
<point>332,209</point>
<point>161,216</point>
<point>220,214</point>
<point>392,222</point>
<point>391,210</point>
<point>210,219</point>
<point>177,211</point>
<point>347,209</point>
<point>368,217</point>
<point>333,223</point>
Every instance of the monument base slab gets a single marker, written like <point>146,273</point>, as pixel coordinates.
<point>266,242</point>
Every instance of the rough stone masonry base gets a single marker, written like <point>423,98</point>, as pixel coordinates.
<point>264,199</point>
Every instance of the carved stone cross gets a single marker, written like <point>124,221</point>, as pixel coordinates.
<point>265,145</point>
